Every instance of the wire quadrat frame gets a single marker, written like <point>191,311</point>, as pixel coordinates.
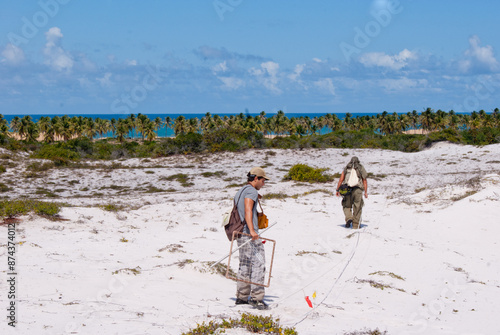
<point>256,256</point>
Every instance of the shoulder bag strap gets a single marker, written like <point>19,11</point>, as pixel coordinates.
<point>260,206</point>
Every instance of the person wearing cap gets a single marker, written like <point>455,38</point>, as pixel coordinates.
<point>251,255</point>
<point>352,203</point>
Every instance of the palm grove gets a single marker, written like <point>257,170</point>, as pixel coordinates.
<point>242,131</point>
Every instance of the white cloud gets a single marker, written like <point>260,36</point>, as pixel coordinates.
<point>221,67</point>
<point>295,76</point>
<point>132,62</point>
<point>325,85</point>
<point>55,56</point>
<point>268,75</point>
<point>395,62</point>
<point>402,84</point>
<point>271,68</point>
<point>232,83</point>
<point>12,54</point>
<point>477,56</point>
<point>105,81</point>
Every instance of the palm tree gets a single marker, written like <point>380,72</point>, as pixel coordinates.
<point>3,121</point>
<point>427,119</point>
<point>180,125</point>
<point>4,128</point>
<point>50,129</point>
<point>149,130</point>
<point>44,124</point>
<point>32,132</point>
<point>205,122</point>
<point>140,123</point>
<point>474,121</point>
<point>25,127</point>
<point>102,126</point>
<point>218,122</point>
<point>122,129</point>
<point>132,125</point>
<point>280,122</point>
<point>158,122</point>
<point>168,124</point>
<point>79,126</point>
<point>15,123</point>
<point>453,119</point>
<point>65,128</point>
<point>112,126</point>
<point>90,128</point>
<point>192,125</point>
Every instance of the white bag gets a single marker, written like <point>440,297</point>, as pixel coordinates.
<point>225,218</point>
<point>353,178</point>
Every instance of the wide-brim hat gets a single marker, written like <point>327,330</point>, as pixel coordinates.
<point>259,172</point>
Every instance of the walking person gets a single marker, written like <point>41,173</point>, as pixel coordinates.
<point>251,256</point>
<point>355,176</point>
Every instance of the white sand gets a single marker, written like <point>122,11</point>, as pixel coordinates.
<point>431,218</point>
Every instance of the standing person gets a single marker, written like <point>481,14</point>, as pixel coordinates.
<point>352,203</point>
<point>251,255</point>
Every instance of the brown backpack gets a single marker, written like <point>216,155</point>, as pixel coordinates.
<point>235,223</point>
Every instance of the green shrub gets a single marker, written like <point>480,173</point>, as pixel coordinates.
<point>2,169</point>
<point>11,208</point>
<point>60,156</point>
<point>302,172</point>
<point>252,323</point>
<point>46,208</point>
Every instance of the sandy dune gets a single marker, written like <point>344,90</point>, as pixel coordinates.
<point>424,261</point>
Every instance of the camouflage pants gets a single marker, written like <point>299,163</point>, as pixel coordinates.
<point>352,205</point>
<point>252,269</point>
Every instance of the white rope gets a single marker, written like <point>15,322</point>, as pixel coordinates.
<point>334,283</point>
<point>341,273</point>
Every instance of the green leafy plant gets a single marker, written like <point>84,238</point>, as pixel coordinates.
<point>252,323</point>
<point>12,208</point>
<point>303,172</point>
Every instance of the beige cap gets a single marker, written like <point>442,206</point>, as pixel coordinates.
<point>258,172</point>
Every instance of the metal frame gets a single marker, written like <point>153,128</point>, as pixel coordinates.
<point>270,266</point>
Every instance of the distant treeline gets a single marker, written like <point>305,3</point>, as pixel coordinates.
<point>66,138</point>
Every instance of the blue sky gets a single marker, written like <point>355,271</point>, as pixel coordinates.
<point>229,56</point>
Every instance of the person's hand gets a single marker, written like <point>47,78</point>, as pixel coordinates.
<point>366,194</point>
<point>337,194</point>
<point>254,235</point>
<point>260,196</point>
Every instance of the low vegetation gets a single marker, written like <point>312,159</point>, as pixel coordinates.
<point>303,172</point>
<point>13,208</point>
<point>252,323</point>
<point>68,146</point>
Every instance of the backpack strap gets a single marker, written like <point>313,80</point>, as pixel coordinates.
<point>239,197</point>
